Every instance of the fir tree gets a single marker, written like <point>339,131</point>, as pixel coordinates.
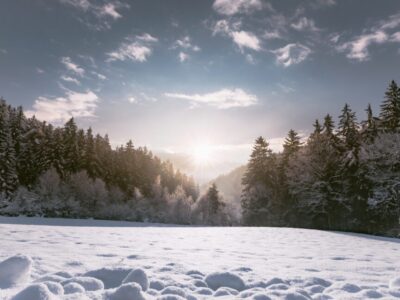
<point>390,108</point>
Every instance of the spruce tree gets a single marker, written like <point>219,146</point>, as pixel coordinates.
<point>390,109</point>
<point>369,127</point>
<point>348,129</point>
<point>292,143</point>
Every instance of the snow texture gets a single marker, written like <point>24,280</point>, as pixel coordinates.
<point>49,259</point>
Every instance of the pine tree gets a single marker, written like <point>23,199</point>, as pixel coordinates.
<point>214,200</point>
<point>369,127</point>
<point>292,143</point>
<point>90,160</point>
<point>390,108</point>
<point>348,130</point>
<point>257,166</point>
<point>70,147</point>
<point>8,161</point>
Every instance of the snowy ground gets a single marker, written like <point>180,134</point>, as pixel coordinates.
<point>86,259</point>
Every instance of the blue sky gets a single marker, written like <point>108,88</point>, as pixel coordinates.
<point>173,74</point>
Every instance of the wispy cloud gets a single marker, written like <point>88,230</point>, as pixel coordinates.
<point>305,24</point>
<point>243,39</point>
<point>137,49</point>
<point>99,76</point>
<point>222,99</point>
<point>70,79</point>
<point>185,45</point>
<point>358,48</point>
<point>232,7</point>
<point>101,14</point>
<point>291,54</point>
<point>40,71</point>
<point>60,109</point>
<point>71,66</point>
<point>183,56</point>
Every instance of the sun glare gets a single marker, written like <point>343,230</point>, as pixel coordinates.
<point>201,154</point>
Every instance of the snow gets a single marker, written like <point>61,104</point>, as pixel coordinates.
<point>139,276</point>
<point>89,259</point>
<point>225,279</point>
<point>14,270</point>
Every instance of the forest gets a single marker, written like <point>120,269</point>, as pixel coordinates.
<point>344,177</point>
<point>340,178</point>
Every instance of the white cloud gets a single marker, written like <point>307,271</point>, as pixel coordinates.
<point>100,76</point>
<point>102,14</point>
<point>291,54</point>
<point>70,79</point>
<point>305,24</point>
<point>185,43</point>
<point>71,66</point>
<point>273,34</point>
<point>358,48</point>
<point>60,109</point>
<point>138,49</point>
<point>145,37</point>
<point>243,39</point>
<point>40,71</point>
<point>110,9</point>
<point>183,56</point>
<point>222,99</point>
<point>231,7</point>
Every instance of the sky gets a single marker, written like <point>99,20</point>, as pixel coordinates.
<point>181,75</point>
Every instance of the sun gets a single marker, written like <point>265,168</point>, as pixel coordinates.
<point>201,154</point>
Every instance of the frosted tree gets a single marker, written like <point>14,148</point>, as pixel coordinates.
<point>390,108</point>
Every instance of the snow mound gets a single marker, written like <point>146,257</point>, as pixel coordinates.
<point>224,279</point>
<point>88,283</point>
<point>157,285</point>
<point>225,291</point>
<point>38,291</point>
<point>173,290</point>
<point>395,283</point>
<point>51,277</point>
<point>54,287</point>
<point>127,291</point>
<point>111,277</point>
<point>173,297</point>
<point>73,287</point>
<point>14,270</point>
<point>139,276</point>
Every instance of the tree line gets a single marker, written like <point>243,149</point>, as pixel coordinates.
<point>339,178</point>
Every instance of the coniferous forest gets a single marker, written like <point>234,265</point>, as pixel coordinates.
<point>342,177</point>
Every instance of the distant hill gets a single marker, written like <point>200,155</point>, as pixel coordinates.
<point>230,187</point>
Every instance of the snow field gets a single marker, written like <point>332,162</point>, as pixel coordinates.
<point>83,259</point>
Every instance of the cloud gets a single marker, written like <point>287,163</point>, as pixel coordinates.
<point>183,56</point>
<point>99,76</point>
<point>132,99</point>
<point>71,66</point>
<point>40,71</point>
<point>97,16</point>
<point>109,9</point>
<point>243,39</point>
<point>222,99</point>
<point>3,51</point>
<point>232,7</point>
<point>273,34</point>
<point>357,48</point>
<point>136,49</point>
<point>185,43</point>
<point>291,54</point>
<point>70,79</point>
<point>305,24</point>
<point>60,109</point>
